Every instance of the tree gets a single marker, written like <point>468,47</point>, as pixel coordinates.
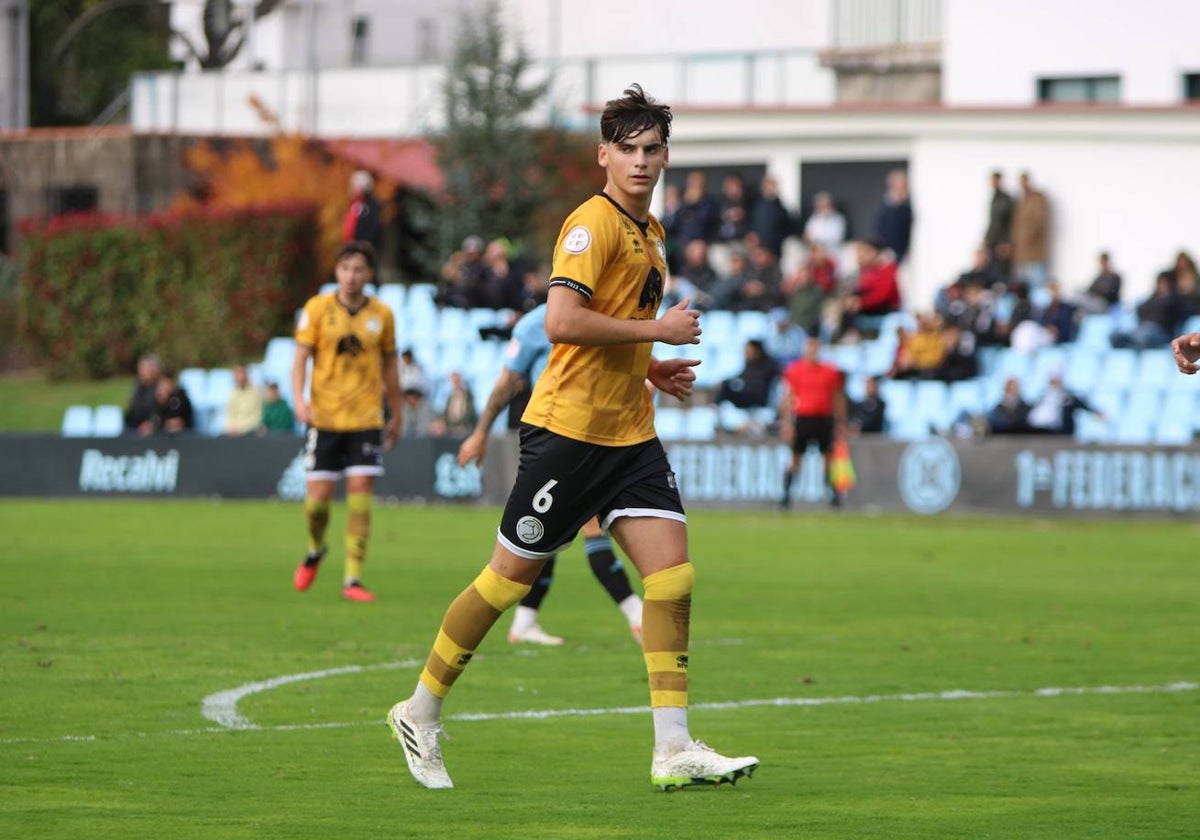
<point>491,167</point>
<point>224,32</point>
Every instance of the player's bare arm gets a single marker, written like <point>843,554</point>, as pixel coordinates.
<point>1187,352</point>
<point>569,320</point>
<point>474,448</point>
<point>299,374</point>
<point>391,386</point>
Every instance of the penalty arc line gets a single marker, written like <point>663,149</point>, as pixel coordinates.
<point>542,714</point>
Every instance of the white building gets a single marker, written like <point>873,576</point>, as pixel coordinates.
<point>1090,96</point>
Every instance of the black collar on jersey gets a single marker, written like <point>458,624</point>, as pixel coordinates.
<point>644,227</point>
<point>337,299</point>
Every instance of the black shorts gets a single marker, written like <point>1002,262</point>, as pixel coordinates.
<point>329,455</point>
<point>819,429</point>
<point>562,483</point>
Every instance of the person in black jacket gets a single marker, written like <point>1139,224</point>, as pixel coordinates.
<point>174,411</point>
<point>143,402</point>
<point>364,219</point>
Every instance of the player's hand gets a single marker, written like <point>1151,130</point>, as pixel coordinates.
<point>303,412</point>
<point>1187,352</point>
<point>674,377</point>
<point>680,325</point>
<point>391,433</point>
<point>474,448</point>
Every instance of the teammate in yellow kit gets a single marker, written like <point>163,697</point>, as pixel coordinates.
<point>351,340</point>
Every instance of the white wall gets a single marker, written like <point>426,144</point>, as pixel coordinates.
<point>993,53</point>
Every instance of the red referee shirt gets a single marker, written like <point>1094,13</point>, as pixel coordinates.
<point>813,386</point>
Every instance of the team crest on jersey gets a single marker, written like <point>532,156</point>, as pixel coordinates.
<point>662,248</point>
<point>577,240</point>
<point>349,345</point>
<point>652,291</point>
<point>373,325</point>
<point>530,529</point>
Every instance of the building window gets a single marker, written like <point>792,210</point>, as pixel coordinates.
<point>1080,89</point>
<point>427,43</point>
<point>358,47</point>
<point>1191,87</point>
<point>78,198</point>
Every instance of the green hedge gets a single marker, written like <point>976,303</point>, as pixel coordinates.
<point>200,290</point>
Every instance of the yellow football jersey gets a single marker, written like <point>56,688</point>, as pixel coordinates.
<point>598,394</point>
<point>347,367</point>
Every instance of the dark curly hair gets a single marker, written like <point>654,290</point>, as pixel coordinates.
<point>632,114</point>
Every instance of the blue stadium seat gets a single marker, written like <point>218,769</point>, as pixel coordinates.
<point>77,421</point>
<point>195,382</point>
<point>1173,431</point>
<point>108,421</point>
<point>731,418</point>
<point>1084,365</point>
<point>878,356</point>
<point>753,325</point>
<point>1120,368</point>
<point>394,296</point>
<point>719,326</point>
<point>848,358</point>
<point>968,395</point>
<point>1095,331</point>
<point>277,358</point>
<point>669,422</point>
<point>1157,367</point>
<point>892,321</point>
<point>219,386</point>
<point>700,422</point>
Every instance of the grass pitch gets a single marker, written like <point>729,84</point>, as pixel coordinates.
<point>830,646</point>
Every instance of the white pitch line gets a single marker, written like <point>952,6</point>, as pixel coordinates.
<point>541,714</point>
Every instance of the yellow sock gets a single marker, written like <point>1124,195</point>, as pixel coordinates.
<point>358,529</point>
<point>666,619</point>
<point>316,513</point>
<point>465,624</point>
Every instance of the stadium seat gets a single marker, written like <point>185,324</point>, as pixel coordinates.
<point>1173,431</point>
<point>277,358</point>
<point>968,395</point>
<point>929,403</point>
<point>1095,331</point>
<point>670,422</point>
<point>219,387</point>
<point>1084,365</point>
<point>195,382</point>
<point>848,358</point>
<point>878,356</point>
<point>700,422</point>
<point>753,325</point>
<point>730,418</point>
<point>108,421</point>
<point>719,327</point>
<point>1157,367</point>
<point>77,421</point>
<point>1120,368</point>
<point>394,295</point>
<point>897,320</point>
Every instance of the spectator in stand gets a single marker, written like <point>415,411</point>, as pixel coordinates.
<point>752,387</point>
<point>1159,317</point>
<point>785,341</point>
<point>1008,417</point>
<point>977,314</point>
<point>876,292</point>
<point>1060,318</point>
<point>826,227</point>
<point>805,299</point>
<point>727,291</point>
<point>866,416</point>
<point>243,412</point>
<point>761,291</point>
<point>277,416</point>
<point>697,215</point>
<point>672,200</point>
<point>960,361</point>
<point>894,218</point>
<point>732,209</point>
<point>502,280</point>
<point>462,275</point>
<point>1031,235</point>
<point>411,374</point>
<point>1054,412</point>
<point>697,271</point>
<point>997,239</point>
<point>1105,290</point>
<point>364,218</point>
<point>173,413</point>
<point>459,416</point>
<point>984,271</point>
<point>1186,280</point>
<point>812,410</point>
<point>143,401</point>
<point>417,418</point>
<point>921,352</point>
<point>769,220</point>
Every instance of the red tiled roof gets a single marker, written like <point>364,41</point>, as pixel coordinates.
<point>411,162</point>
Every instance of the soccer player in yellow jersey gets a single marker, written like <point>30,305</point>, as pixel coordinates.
<point>588,448</point>
<point>351,340</point>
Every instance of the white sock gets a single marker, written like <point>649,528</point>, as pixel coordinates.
<point>632,607</point>
<point>670,729</point>
<point>425,706</point>
<point>523,619</point>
